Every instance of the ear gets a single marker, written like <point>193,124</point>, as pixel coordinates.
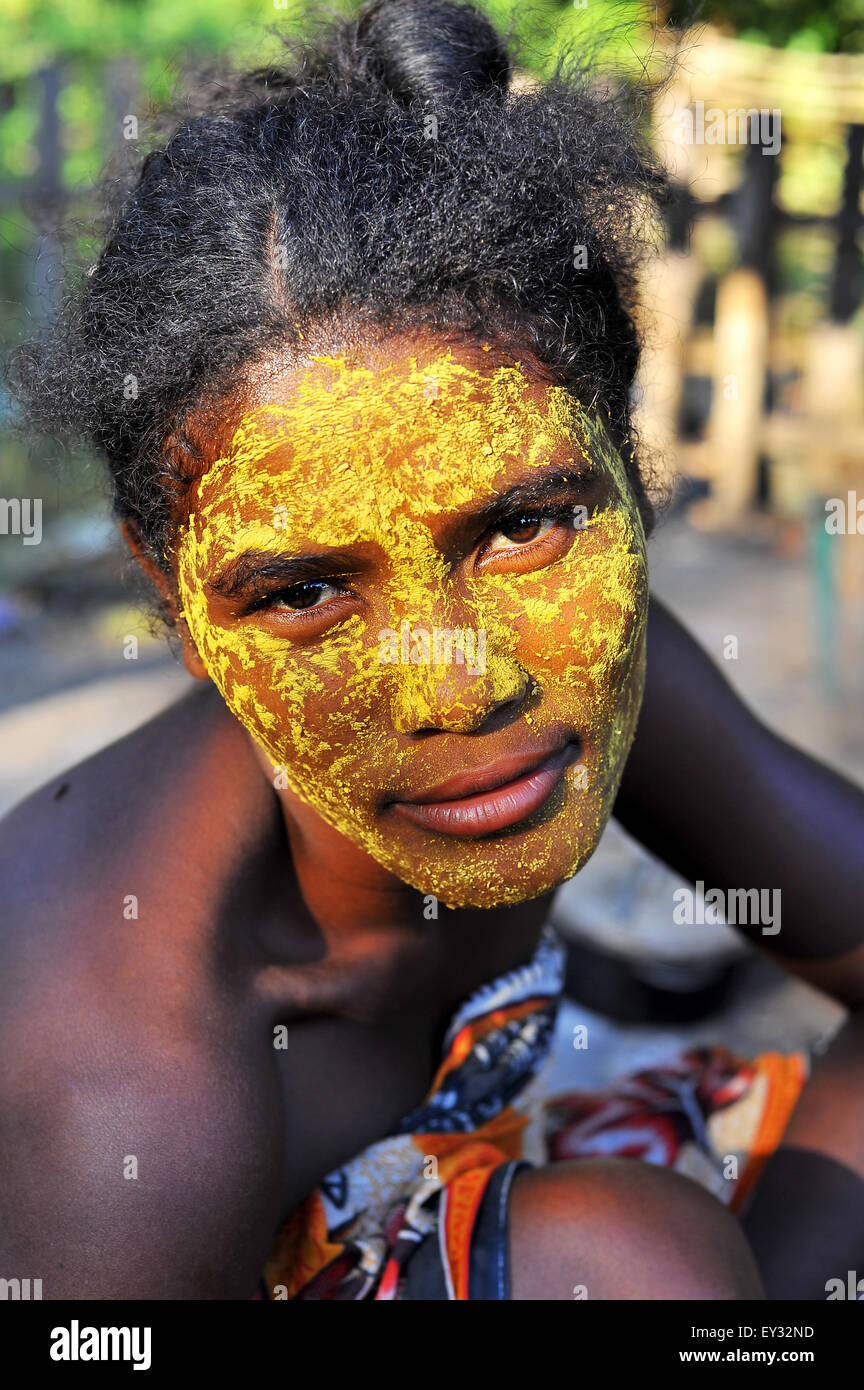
<point>166,590</point>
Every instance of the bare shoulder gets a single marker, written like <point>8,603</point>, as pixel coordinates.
<point>621,1229</point>
<point>121,1140</point>
<point>151,828</point>
<point>69,830</point>
<point>131,1105</point>
<point>111,877</point>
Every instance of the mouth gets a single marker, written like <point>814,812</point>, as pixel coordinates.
<point>492,798</point>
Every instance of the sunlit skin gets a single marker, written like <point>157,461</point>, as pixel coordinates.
<point>432,486</point>
<point>155,1036</point>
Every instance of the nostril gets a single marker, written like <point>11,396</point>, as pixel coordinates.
<point>428,700</point>
<point>505,711</point>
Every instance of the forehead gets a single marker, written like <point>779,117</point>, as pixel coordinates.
<point>342,449</point>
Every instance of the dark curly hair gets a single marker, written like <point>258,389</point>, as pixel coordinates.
<point>389,175</point>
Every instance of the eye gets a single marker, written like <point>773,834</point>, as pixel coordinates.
<point>521,531</point>
<point>527,541</point>
<point>305,597</point>
<point>313,593</point>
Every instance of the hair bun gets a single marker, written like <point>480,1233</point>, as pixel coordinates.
<point>423,49</point>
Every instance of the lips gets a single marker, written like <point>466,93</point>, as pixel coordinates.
<point>493,798</point>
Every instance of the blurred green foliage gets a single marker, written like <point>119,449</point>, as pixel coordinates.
<point>834,26</point>
<point>93,40</point>
<point>96,44</point>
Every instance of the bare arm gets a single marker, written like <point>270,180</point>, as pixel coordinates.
<point>720,798</point>
<point>717,796</point>
<point>140,1120</point>
<point>805,1221</point>
<point>133,1172</point>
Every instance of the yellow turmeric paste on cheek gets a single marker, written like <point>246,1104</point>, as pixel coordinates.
<point>356,456</point>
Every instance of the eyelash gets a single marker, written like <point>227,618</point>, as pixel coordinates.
<point>270,600</point>
<point>561,512</point>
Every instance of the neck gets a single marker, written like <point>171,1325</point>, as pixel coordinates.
<point>388,944</point>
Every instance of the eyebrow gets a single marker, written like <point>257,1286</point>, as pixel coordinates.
<point>533,492</point>
<point>256,569</point>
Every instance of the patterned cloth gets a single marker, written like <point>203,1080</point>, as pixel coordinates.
<point>707,1113</point>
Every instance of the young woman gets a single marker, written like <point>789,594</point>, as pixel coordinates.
<point>276,980</point>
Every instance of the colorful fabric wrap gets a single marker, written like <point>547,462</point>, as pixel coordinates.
<point>423,1212</point>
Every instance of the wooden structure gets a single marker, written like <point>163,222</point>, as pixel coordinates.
<point>807,443</point>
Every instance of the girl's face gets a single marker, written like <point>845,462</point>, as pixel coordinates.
<point>422,589</point>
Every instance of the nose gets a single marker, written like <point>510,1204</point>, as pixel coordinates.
<point>451,697</point>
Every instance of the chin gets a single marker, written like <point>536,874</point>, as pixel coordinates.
<point>484,881</point>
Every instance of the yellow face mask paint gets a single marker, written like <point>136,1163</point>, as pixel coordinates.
<point>387,467</point>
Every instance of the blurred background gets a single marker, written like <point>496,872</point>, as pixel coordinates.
<point>750,404</point>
